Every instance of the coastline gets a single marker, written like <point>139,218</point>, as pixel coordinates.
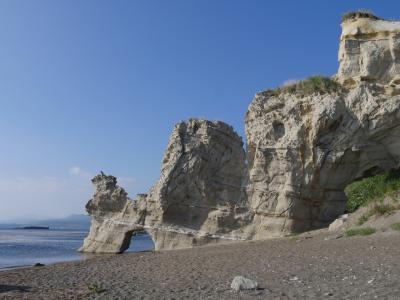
<point>306,266</point>
<point>25,248</point>
<point>15,267</point>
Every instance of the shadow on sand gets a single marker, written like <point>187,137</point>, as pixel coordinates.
<point>11,288</point>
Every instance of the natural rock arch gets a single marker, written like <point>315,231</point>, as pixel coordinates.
<point>195,201</point>
<point>115,217</point>
<point>130,237</point>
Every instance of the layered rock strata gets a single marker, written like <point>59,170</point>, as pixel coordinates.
<point>115,217</point>
<point>370,51</point>
<point>197,200</point>
<point>302,150</point>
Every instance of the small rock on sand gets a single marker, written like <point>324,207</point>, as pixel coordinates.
<point>241,283</point>
<point>38,265</point>
<point>335,225</point>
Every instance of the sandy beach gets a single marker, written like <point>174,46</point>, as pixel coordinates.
<point>307,266</point>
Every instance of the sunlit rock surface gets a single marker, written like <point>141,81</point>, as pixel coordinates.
<point>197,200</point>
<point>301,153</point>
<point>370,51</point>
<point>115,217</point>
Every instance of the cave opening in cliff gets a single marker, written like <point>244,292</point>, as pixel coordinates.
<point>138,241</point>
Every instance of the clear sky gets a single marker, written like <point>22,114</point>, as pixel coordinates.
<point>98,85</point>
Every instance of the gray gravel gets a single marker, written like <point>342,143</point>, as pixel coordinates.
<point>313,268</point>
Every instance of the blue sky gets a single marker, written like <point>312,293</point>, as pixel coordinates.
<point>98,85</point>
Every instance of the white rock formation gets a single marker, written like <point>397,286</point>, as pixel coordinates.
<point>197,200</point>
<point>369,51</point>
<point>301,153</point>
<point>115,217</point>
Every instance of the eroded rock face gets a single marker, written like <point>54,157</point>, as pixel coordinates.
<point>197,200</point>
<point>199,197</point>
<point>115,217</point>
<point>369,51</point>
<point>301,153</point>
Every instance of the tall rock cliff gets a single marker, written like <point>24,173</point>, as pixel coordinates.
<point>305,143</point>
<point>303,151</point>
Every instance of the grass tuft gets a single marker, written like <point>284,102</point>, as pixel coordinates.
<point>360,231</point>
<point>95,288</point>
<point>361,13</point>
<point>312,85</point>
<point>365,217</point>
<point>396,226</point>
<point>383,209</point>
<point>378,209</point>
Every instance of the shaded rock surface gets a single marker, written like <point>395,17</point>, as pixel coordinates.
<point>301,153</point>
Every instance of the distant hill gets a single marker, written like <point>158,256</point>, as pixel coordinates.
<point>9,225</point>
<point>72,222</point>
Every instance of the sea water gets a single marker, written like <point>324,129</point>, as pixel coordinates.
<point>26,247</point>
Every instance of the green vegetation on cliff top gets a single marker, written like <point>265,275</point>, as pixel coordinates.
<point>361,13</point>
<point>312,85</point>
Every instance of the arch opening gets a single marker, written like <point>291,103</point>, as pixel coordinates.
<point>137,241</point>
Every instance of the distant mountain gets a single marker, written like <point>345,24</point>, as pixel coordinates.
<point>72,222</point>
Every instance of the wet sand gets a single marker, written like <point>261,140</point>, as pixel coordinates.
<point>311,267</point>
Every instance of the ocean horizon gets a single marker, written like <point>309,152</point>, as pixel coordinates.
<point>27,247</point>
